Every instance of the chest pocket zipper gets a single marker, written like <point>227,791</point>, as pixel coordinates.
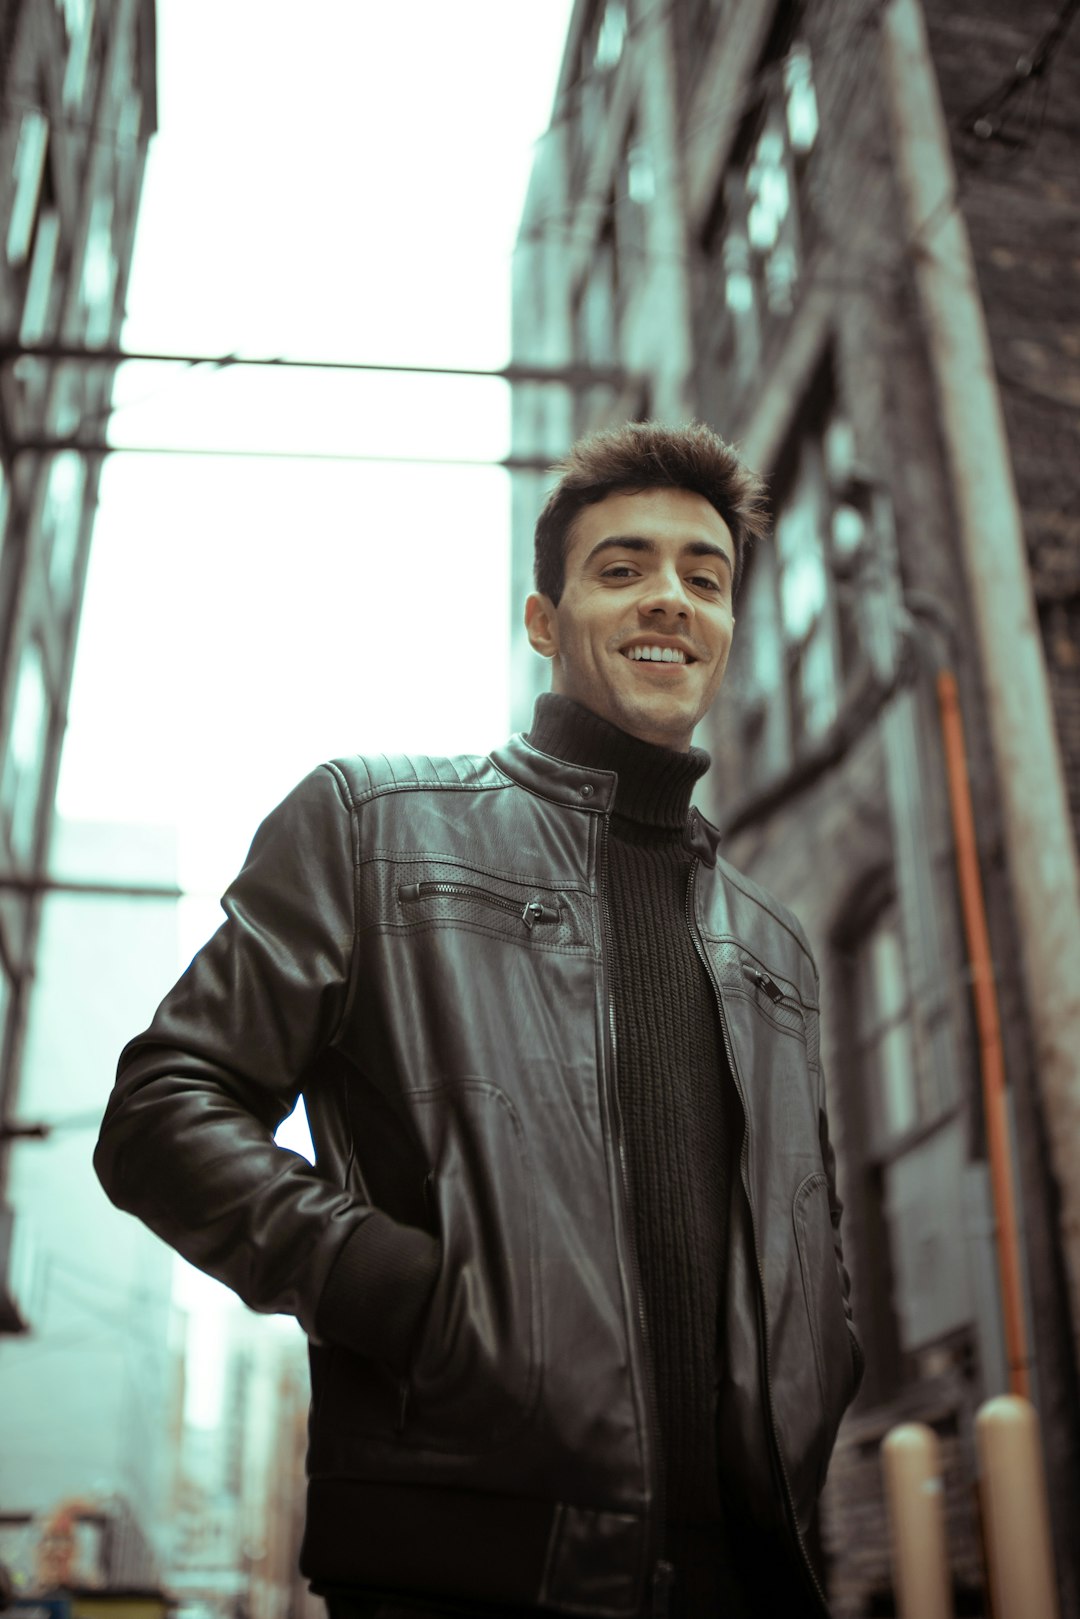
<point>764,983</point>
<point>782,1008</point>
<point>534,910</point>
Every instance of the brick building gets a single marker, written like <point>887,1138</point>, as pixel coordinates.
<point>721,209</point>
<point>77,110</point>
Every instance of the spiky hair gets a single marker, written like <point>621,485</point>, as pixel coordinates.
<point>640,456</point>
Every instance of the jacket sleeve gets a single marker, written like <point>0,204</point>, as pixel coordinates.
<point>836,1209</point>
<point>187,1139</point>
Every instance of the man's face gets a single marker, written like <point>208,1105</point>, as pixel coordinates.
<point>643,571</point>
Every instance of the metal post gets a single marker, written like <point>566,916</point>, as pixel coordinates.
<point>915,1494</point>
<point>1016,1524</point>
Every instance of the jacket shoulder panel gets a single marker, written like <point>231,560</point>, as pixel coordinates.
<point>763,901</point>
<point>366,776</point>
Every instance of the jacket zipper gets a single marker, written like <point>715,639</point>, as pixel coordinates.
<point>534,910</point>
<point>764,983</point>
<point>662,1572</point>
<point>744,1159</point>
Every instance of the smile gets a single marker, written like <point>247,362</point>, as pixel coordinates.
<point>664,656</point>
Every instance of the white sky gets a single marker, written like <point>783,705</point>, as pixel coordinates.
<point>342,181</point>
<point>345,186</point>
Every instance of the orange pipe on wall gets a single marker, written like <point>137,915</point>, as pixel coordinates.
<point>991,1057</point>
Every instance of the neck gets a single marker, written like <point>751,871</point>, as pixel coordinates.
<point>654,782</point>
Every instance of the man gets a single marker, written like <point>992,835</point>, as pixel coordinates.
<point>568,1259</point>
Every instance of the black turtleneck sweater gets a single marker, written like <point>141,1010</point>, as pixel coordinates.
<point>681,1122</point>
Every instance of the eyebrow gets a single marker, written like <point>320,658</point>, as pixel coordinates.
<point>637,542</point>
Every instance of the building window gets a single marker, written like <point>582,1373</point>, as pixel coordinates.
<point>906,1174</point>
<point>800,641</point>
<point>61,521</point>
<point>753,244</point>
<point>799,645</point>
<point>129,120</point>
<point>100,272</point>
<point>764,716</point>
<point>20,784</point>
<point>885,1037</point>
<point>5,1009</point>
<point>37,305</point>
<point>28,173</point>
<point>594,314</point>
<point>5,502</point>
<point>595,321</point>
<point>635,189</point>
<point>771,225</point>
<point>79,22</point>
<point>610,36</point>
<point>800,101</point>
<point>602,48</point>
<point>807,617</point>
<point>75,13</point>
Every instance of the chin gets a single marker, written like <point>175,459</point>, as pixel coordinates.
<point>669,730</point>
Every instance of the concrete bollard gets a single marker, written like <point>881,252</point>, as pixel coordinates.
<point>911,1460</point>
<point>1016,1525</point>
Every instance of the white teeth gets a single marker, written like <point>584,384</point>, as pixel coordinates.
<point>655,654</point>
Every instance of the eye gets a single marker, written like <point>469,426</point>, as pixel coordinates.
<point>706,580</point>
<point>622,569</point>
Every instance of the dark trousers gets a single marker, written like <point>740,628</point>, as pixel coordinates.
<point>372,1605</point>
<point>723,1570</point>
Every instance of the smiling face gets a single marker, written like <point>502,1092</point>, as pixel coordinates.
<point>642,630</point>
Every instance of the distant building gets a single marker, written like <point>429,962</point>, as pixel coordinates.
<point>78,105</point>
<point>238,1515</point>
<point>721,208</point>
<point>90,1394</point>
<point>80,1560</point>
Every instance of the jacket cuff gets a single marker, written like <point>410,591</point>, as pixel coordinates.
<point>377,1290</point>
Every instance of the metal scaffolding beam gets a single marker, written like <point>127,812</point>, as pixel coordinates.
<point>567,376</point>
<point>52,446</point>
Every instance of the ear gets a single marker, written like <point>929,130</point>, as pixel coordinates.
<point>541,625</point>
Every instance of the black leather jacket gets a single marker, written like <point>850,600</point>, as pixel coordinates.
<point>418,946</point>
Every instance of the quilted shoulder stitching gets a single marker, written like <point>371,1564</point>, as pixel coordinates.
<point>367,777</point>
<point>772,907</point>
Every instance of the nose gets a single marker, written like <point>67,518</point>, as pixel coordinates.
<point>666,595</point>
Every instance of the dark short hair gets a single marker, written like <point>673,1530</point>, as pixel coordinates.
<point>632,459</point>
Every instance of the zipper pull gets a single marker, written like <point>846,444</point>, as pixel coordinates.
<point>663,1576</point>
<point>763,982</point>
<point>535,912</point>
<point>409,891</point>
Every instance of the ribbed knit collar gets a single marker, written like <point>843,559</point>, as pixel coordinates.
<point>655,783</point>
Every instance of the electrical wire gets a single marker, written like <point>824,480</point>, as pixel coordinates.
<point>652,19</point>
<point>513,371</point>
<point>567,233</point>
<point>848,40</point>
<point>507,463</point>
<point>1030,66</point>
